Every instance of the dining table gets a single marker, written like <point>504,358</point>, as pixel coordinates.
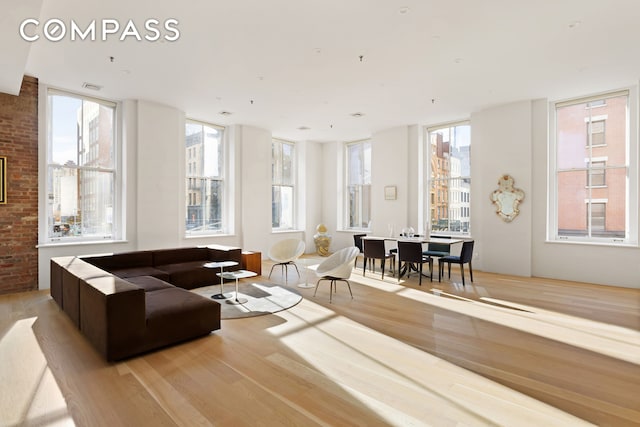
<point>449,241</point>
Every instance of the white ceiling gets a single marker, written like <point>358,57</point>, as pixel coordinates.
<point>299,61</point>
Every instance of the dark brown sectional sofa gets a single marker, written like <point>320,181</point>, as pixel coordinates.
<point>133,302</point>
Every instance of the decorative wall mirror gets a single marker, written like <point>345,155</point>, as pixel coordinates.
<point>507,198</point>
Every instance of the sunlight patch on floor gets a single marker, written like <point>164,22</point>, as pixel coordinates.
<point>555,326</point>
<point>34,398</point>
<point>604,330</point>
<point>404,385</point>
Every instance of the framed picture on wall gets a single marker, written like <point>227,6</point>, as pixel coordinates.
<point>3,179</point>
<point>390,192</point>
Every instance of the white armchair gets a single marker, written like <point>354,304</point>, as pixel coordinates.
<point>337,268</point>
<point>286,252</point>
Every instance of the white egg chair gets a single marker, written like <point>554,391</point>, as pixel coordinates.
<point>337,268</point>
<point>285,253</point>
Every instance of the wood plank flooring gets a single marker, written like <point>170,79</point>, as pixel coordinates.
<point>503,350</point>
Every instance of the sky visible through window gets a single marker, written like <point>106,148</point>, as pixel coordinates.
<point>64,132</point>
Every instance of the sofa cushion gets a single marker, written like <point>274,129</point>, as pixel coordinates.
<point>174,314</point>
<point>122,260</point>
<point>179,255</point>
<point>149,283</point>
<point>189,275</point>
<point>126,273</point>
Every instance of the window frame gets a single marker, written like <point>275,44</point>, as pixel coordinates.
<point>347,186</point>
<point>631,166</point>
<point>293,186</point>
<point>190,174</point>
<point>116,169</point>
<point>442,195</point>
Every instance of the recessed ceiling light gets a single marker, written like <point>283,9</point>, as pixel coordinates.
<point>304,128</point>
<point>403,10</point>
<point>91,86</point>
<point>225,113</point>
<point>357,114</point>
<point>574,24</point>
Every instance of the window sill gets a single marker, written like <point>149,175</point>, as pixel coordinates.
<point>79,243</point>
<point>203,236</point>
<point>284,231</point>
<point>591,243</point>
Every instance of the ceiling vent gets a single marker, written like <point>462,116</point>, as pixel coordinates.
<point>91,86</point>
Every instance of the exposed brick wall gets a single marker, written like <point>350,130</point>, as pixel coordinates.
<point>19,216</point>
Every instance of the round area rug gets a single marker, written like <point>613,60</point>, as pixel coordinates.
<point>262,298</point>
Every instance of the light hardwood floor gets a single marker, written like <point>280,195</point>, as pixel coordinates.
<point>501,351</point>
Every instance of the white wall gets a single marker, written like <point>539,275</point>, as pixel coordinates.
<point>501,144</point>
<point>390,166</point>
<point>311,178</point>
<point>160,148</point>
<point>333,194</point>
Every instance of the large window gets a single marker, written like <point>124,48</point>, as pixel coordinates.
<point>204,156</point>
<point>282,185</point>
<point>81,168</point>
<point>448,151</point>
<point>590,169</point>
<point>358,185</point>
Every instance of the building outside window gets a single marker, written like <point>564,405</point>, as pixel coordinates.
<point>205,184</point>
<point>448,151</point>
<point>358,191</point>
<point>81,189</point>
<point>283,185</point>
<point>590,184</point>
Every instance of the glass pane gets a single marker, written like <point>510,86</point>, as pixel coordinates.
<point>355,164</point>
<point>366,206</point>
<point>62,202</point>
<point>572,206</point>
<point>64,129</point>
<point>212,153</point>
<point>608,125</point>
<point>276,162</point>
<point>204,205</point>
<point>96,203</point>
<point>359,206</point>
<point>450,183</point>
<point>204,151</point>
<point>194,144</point>
<point>366,163</point>
<point>282,207</point>
<point>81,203</point>
<point>615,193</point>
<point>287,164</point>
<point>96,135</point>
